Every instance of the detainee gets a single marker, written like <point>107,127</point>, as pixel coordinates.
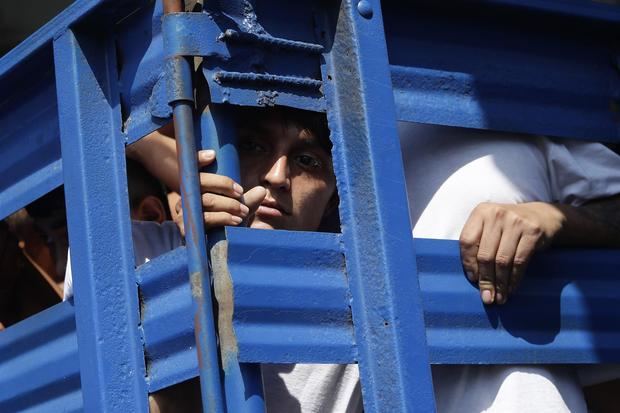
<point>504,196</point>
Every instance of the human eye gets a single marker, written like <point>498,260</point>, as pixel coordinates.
<point>251,145</point>
<point>308,161</point>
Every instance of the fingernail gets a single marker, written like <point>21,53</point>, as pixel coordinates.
<point>206,154</point>
<point>487,297</point>
<point>244,210</point>
<point>499,298</point>
<point>238,189</point>
<point>236,219</point>
<point>470,276</point>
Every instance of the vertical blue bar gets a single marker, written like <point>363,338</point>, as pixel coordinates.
<point>112,368</point>
<point>386,301</point>
<point>180,84</point>
<point>242,381</point>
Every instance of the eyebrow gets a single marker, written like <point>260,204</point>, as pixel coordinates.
<point>308,138</point>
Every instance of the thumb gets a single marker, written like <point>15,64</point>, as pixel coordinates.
<point>205,157</point>
<point>253,198</point>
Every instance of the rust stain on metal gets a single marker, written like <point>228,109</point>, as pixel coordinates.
<point>223,290</point>
<point>195,281</point>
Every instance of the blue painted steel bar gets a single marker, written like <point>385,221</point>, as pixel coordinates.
<point>31,164</point>
<point>260,78</point>
<point>243,384</point>
<point>233,77</point>
<point>386,301</point>
<point>181,99</point>
<point>521,72</point>
<point>566,311</point>
<point>595,10</point>
<point>232,36</point>
<point>294,307</point>
<point>39,366</point>
<point>111,356</point>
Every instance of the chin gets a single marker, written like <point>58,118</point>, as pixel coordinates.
<point>261,225</point>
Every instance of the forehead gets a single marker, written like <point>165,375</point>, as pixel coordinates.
<point>285,124</point>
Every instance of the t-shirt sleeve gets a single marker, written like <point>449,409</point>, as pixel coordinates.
<point>68,286</point>
<point>150,240</point>
<point>581,171</point>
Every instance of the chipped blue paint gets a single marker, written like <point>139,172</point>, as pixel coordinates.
<point>111,356</point>
<point>559,77</point>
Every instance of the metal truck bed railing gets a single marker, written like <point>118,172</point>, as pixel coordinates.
<point>94,79</point>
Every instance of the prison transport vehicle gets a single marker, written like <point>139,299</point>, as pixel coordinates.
<point>102,74</point>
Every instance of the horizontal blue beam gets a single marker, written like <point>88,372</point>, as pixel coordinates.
<point>291,304</point>
<point>566,311</point>
<point>29,138</point>
<point>39,366</point>
<point>475,67</point>
<point>594,10</point>
<point>445,70</point>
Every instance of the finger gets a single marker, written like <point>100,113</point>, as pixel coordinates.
<point>220,184</point>
<point>469,242</point>
<point>179,221</point>
<point>504,262</point>
<point>219,203</point>
<point>205,157</point>
<point>179,206</point>
<point>489,244</point>
<point>254,197</point>
<point>220,219</point>
<point>525,251</point>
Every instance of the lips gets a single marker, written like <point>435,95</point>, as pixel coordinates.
<point>271,208</point>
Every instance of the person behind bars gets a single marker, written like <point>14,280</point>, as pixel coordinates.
<point>504,196</point>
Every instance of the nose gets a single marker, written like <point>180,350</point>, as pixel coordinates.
<point>278,176</point>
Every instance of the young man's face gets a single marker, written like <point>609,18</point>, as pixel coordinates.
<point>294,168</point>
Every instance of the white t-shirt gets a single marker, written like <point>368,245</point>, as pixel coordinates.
<point>150,240</point>
<point>449,171</point>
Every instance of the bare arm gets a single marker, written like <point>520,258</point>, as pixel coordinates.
<point>594,224</point>
<point>498,240</point>
<point>223,200</point>
<point>157,152</point>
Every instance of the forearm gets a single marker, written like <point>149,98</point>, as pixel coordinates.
<point>594,224</point>
<point>158,154</point>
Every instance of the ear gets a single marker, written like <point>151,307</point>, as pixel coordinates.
<point>332,205</point>
<point>331,220</point>
<point>150,209</point>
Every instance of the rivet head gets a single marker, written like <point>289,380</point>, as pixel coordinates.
<point>364,8</point>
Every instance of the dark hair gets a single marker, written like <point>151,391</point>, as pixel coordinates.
<point>141,184</point>
<point>314,122</point>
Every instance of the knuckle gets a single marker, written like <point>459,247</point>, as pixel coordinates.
<point>499,212</point>
<point>208,201</point>
<point>486,284</point>
<point>228,183</point>
<point>485,258</point>
<point>516,219</point>
<point>534,230</point>
<point>503,261</point>
<point>467,241</point>
<point>483,206</point>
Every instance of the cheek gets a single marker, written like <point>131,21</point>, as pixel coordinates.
<point>312,200</point>
<point>249,177</point>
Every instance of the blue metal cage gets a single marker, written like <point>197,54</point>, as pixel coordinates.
<point>105,73</point>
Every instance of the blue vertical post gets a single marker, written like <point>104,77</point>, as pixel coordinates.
<point>386,301</point>
<point>181,100</point>
<point>242,381</point>
<point>112,368</point>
